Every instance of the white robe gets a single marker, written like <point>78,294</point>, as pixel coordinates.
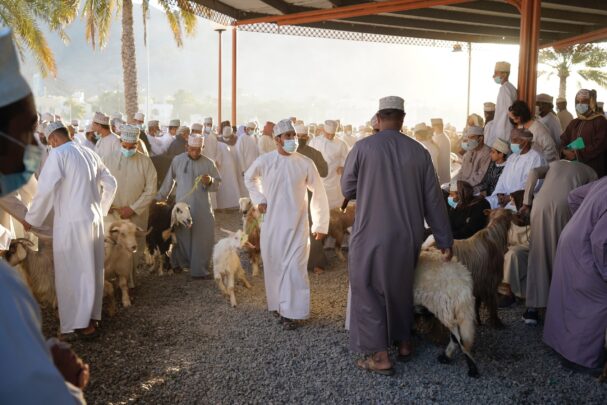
<point>247,151</point>
<point>334,152</point>
<point>210,151</point>
<point>543,142</point>
<point>349,140</point>
<point>69,184</point>
<point>553,124</point>
<point>444,157</point>
<point>434,152</point>
<point>282,182</point>
<point>107,146</point>
<point>266,144</point>
<point>505,97</point>
<point>159,144</point>
<point>232,185</point>
<point>489,134</point>
<point>514,176</point>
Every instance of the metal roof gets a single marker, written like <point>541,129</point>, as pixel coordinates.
<point>490,21</point>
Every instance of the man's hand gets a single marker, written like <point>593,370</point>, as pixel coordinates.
<point>525,210</point>
<point>569,154</point>
<point>340,170</point>
<point>125,212</point>
<point>72,367</point>
<point>503,199</point>
<point>262,208</point>
<point>206,180</point>
<point>26,225</point>
<point>447,254</point>
<point>319,236</point>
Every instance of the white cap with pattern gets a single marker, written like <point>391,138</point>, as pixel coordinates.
<point>129,133</point>
<point>391,103</point>
<point>52,127</point>
<point>283,126</point>
<point>196,141</point>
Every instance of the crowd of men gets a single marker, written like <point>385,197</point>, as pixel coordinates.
<point>295,174</point>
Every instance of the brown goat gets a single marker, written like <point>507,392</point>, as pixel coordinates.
<point>339,223</point>
<point>251,226</point>
<point>483,254</point>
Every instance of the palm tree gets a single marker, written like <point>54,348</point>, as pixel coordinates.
<point>25,17</point>
<point>98,17</point>
<point>587,60</point>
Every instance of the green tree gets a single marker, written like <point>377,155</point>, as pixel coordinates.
<point>77,109</point>
<point>25,18</point>
<point>98,16</point>
<point>110,101</point>
<point>587,60</point>
<point>185,104</point>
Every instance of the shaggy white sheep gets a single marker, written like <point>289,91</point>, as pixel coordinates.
<point>445,289</point>
<point>226,263</point>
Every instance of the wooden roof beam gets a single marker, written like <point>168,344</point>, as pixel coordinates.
<point>593,36</point>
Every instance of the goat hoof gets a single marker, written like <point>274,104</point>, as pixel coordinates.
<point>126,304</point>
<point>473,373</point>
<point>443,359</point>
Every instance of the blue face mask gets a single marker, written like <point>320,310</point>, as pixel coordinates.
<point>497,80</point>
<point>470,145</point>
<point>451,201</point>
<point>31,160</point>
<point>516,148</point>
<point>97,136</point>
<point>581,109</point>
<point>290,145</point>
<point>128,152</point>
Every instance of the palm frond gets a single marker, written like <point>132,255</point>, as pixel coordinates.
<point>145,8</point>
<point>98,19</point>
<point>593,75</point>
<point>188,16</point>
<point>174,22</point>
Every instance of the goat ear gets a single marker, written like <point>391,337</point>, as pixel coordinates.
<point>227,232</point>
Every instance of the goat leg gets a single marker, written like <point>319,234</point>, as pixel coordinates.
<point>494,319</point>
<point>255,263</point>
<point>231,289</point>
<point>123,283</point>
<point>338,241</point>
<point>243,277</point>
<point>220,285</point>
<point>108,291</point>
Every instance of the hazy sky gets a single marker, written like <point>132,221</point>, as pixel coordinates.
<point>317,79</point>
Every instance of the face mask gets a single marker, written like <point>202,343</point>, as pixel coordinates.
<point>497,80</point>
<point>207,130</point>
<point>31,160</point>
<point>470,145</point>
<point>226,138</point>
<point>451,201</point>
<point>97,136</point>
<point>516,148</point>
<point>127,153</point>
<point>581,109</point>
<point>290,145</point>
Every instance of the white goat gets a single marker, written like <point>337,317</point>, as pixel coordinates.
<point>120,247</point>
<point>36,267</point>
<point>226,263</point>
<point>445,289</point>
<point>251,226</point>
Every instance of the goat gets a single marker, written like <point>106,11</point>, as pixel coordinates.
<point>445,289</point>
<point>483,254</point>
<point>164,218</point>
<point>251,226</point>
<point>120,247</point>
<point>339,222</point>
<point>226,263</point>
<point>37,268</point>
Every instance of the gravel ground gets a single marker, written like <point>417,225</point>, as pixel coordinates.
<point>181,342</point>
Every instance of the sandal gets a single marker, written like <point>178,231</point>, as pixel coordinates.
<point>368,364</point>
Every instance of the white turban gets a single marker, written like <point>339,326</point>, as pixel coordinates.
<point>184,129</point>
<point>474,131</point>
<point>502,67</point>
<point>116,115</point>
<point>208,121</point>
<point>196,126</point>
<point>421,128</point>
<point>153,123</point>
<point>489,106</point>
<point>227,131</point>
<point>501,145</point>
<point>561,100</point>
<point>544,98</point>
<point>391,103</point>
<point>47,117</point>
<point>139,116</point>
<point>129,134</point>
<point>101,118</point>
<point>251,125</point>
<point>75,123</point>
<point>301,129</point>
<point>52,127</point>
<point>283,126</point>
<point>174,123</point>
<point>436,121</point>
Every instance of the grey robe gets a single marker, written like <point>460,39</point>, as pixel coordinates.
<point>392,178</point>
<point>177,147</point>
<point>194,246</point>
<point>549,216</point>
<point>317,257</point>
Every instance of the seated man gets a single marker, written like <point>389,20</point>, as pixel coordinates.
<point>476,159</point>
<point>499,155</point>
<point>518,166</point>
<point>466,212</point>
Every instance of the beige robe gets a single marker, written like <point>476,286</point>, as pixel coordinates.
<point>474,166</point>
